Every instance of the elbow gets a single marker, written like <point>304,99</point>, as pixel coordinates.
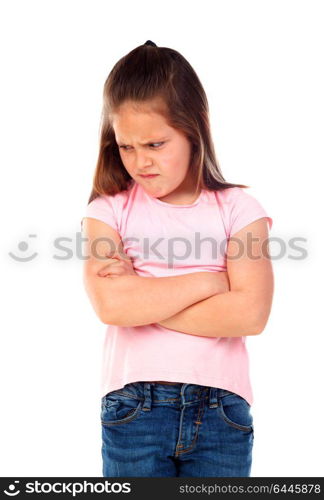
<point>108,315</point>
<point>105,310</point>
<point>256,330</point>
<point>102,314</point>
<point>259,325</point>
<point>259,315</point>
<point>111,316</point>
<point>105,318</point>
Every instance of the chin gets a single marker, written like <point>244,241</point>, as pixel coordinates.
<point>156,193</point>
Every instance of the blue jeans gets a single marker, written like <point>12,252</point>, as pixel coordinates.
<point>181,430</point>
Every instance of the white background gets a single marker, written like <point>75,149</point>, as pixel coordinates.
<point>261,64</point>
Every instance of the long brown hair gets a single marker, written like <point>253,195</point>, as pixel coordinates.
<point>164,79</point>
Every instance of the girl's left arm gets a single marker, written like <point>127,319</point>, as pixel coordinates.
<point>245,308</point>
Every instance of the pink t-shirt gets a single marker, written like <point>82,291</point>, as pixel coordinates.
<point>166,240</point>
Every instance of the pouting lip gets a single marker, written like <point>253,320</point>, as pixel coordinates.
<point>147,175</point>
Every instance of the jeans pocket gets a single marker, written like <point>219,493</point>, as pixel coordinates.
<point>236,412</point>
<point>117,409</point>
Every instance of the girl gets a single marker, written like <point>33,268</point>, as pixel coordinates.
<point>178,268</point>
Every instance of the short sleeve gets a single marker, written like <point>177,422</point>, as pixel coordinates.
<point>244,209</point>
<point>101,208</point>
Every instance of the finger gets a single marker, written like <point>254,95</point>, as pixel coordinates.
<point>119,256</point>
<point>112,266</point>
<point>106,269</point>
<point>112,272</point>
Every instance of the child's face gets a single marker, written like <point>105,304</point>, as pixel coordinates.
<point>148,145</point>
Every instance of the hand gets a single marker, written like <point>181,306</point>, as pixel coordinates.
<point>118,265</point>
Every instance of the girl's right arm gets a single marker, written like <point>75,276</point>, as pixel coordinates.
<point>131,300</point>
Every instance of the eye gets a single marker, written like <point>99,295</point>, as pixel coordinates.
<point>155,145</point>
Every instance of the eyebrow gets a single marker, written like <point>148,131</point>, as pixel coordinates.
<point>160,139</point>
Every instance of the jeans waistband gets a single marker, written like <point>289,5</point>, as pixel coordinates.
<point>184,392</point>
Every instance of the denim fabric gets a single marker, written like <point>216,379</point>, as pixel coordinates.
<point>181,430</point>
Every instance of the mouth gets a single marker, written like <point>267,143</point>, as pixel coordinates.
<point>149,176</point>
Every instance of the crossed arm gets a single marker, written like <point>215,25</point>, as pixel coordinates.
<point>193,304</point>
<point>228,314</point>
<point>244,308</point>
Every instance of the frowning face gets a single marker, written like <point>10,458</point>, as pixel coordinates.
<point>149,145</point>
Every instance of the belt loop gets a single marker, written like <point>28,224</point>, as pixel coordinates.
<point>213,397</point>
<point>147,396</point>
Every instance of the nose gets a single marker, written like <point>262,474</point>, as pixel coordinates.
<point>142,160</point>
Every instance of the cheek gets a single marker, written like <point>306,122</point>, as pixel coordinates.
<point>172,163</point>
<point>178,157</point>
